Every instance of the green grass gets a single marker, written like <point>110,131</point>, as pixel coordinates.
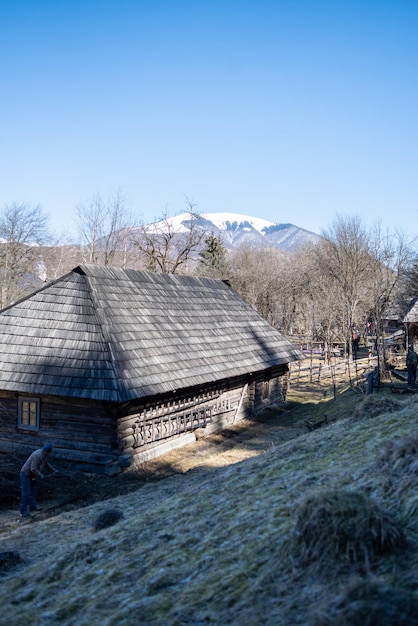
<point>218,546</point>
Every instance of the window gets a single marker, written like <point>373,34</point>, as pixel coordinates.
<point>266,390</point>
<point>29,410</point>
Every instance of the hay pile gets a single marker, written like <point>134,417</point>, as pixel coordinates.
<point>400,455</point>
<point>343,527</point>
<point>375,405</point>
<point>107,518</point>
<point>398,463</point>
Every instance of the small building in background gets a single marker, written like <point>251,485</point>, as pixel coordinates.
<point>411,325</point>
<point>392,319</point>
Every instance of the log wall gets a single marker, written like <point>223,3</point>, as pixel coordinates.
<point>156,427</point>
<point>81,431</point>
<point>102,437</point>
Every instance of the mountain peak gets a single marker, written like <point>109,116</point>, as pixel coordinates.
<point>233,221</point>
<point>237,228</point>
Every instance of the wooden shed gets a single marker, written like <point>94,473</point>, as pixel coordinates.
<point>114,365</point>
<point>411,325</point>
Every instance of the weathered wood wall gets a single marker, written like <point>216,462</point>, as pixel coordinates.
<point>156,427</point>
<point>81,431</point>
<point>102,437</point>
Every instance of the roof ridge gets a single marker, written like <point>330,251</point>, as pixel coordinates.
<point>104,326</point>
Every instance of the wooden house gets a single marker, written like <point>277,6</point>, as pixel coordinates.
<point>391,319</point>
<point>116,366</point>
<point>411,325</point>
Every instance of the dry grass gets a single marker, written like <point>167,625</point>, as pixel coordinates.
<point>212,543</point>
<point>369,603</point>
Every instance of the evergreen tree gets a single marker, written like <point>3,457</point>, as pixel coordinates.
<point>213,257</point>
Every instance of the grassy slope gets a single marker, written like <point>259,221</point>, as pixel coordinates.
<point>214,547</point>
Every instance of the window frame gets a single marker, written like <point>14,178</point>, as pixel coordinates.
<point>21,412</point>
<point>266,391</point>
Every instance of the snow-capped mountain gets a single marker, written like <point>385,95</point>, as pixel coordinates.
<point>236,229</point>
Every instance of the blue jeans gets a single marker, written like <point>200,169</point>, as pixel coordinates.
<point>412,375</point>
<point>29,491</point>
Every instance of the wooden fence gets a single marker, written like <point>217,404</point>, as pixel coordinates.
<point>337,374</point>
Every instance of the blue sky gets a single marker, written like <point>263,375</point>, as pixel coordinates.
<point>292,111</point>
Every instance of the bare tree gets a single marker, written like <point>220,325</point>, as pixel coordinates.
<point>390,259</point>
<point>256,274</point>
<point>23,230</point>
<point>166,246</point>
<point>407,286</point>
<point>362,268</point>
<point>344,258</point>
<point>60,258</point>
<point>105,230</point>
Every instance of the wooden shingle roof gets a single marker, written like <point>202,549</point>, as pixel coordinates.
<point>412,316</point>
<point>116,335</point>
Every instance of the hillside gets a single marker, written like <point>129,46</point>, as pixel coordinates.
<point>267,524</point>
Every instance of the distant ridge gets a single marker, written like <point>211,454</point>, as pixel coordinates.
<point>236,229</point>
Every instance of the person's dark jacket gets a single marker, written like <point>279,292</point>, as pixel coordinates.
<point>35,464</point>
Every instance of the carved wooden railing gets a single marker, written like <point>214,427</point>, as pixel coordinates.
<point>153,429</point>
